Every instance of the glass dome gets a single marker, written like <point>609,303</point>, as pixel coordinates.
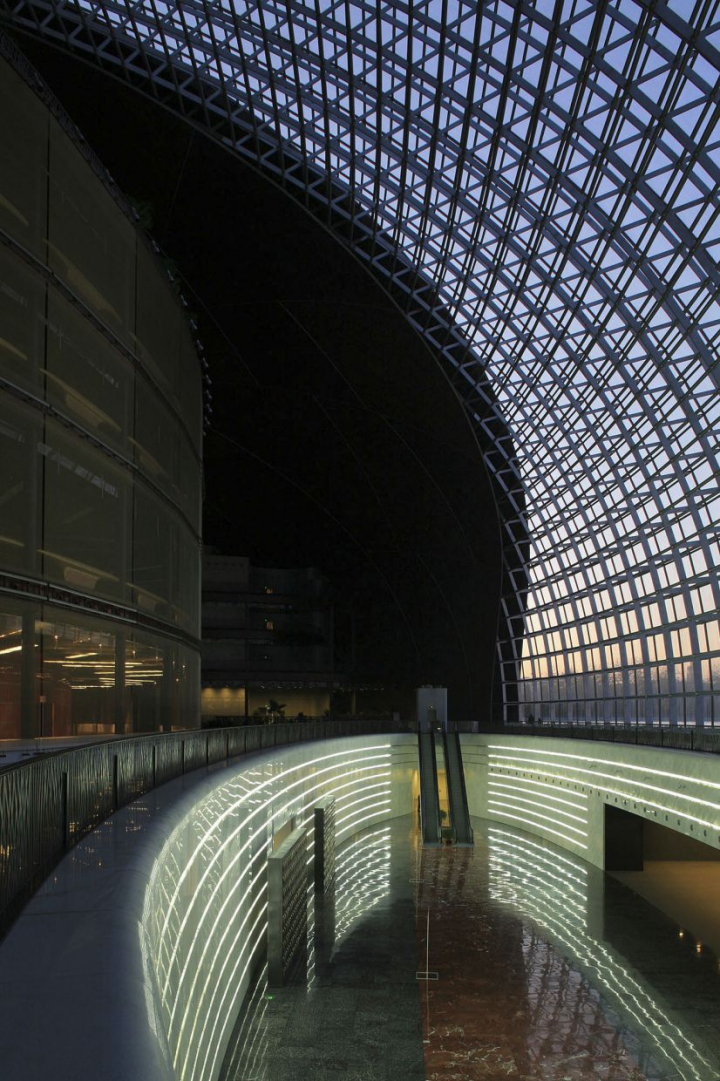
<point>540,182</point>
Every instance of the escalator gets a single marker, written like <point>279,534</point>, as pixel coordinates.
<point>429,802</point>
<point>457,794</point>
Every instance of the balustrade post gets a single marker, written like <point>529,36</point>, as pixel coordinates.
<point>65,798</point>
<point>115,787</point>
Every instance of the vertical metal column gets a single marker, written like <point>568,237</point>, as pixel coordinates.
<point>119,690</point>
<point>324,845</point>
<point>287,906</point>
<point>29,709</point>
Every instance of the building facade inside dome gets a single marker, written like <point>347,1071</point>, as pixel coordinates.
<point>538,184</point>
<point>100,448</point>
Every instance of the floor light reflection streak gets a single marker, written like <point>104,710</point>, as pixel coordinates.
<point>518,877</point>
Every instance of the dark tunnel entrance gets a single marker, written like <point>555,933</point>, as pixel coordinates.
<point>678,874</point>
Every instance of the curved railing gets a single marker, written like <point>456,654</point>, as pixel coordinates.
<point>706,740</point>
<point>48,804</point>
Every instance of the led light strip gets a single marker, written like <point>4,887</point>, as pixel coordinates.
<point>260,854</point>
<point>210,968</point>
<point>213,812</point>
<point>607,776</point>
<point>232,984</point>
<point>542,784</point>
<point>252,1028</point>
<point>528,822</point>
<point>207,902</point>
<point>382,810</point>
<point>543,807</point>
<point>361,800</point>
<point>345,800</point>
<point>534,803</point>
<point>246,794</point>
<point>609,762</point>
<point>275,777</point>
<point>204,841</point>
<point>361,903</point>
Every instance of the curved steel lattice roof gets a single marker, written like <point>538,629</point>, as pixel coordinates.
<point>550,170</point>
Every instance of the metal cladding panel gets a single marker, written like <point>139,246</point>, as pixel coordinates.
<point>287,906</point>
<point>324,846</point>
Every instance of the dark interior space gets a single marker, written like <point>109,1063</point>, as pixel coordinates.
<point>676,873</point>
<point>335,440</point>
<point>662,843</point>
<point>631,840</point>
<point>623,840</point>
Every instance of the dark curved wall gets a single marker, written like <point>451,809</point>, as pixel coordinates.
<point>335,438</point>
<point>100,447</point>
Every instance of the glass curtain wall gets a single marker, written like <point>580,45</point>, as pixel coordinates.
<point>100,450</point>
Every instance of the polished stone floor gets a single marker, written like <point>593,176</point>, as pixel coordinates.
<point>546,969</point>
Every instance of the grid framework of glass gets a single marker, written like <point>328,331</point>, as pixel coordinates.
<point>540,180</point>
<point>100,443</point>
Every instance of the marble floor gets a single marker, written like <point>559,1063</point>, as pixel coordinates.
<point>545,969</point>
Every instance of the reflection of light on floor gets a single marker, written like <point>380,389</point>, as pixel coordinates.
<point>687,890</point>
<point>362,878</point>
<point>552,870</point>
<point>553,896</point>
<point>252,1040</point>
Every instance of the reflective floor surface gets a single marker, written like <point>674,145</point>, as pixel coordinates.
<point>546,969</point>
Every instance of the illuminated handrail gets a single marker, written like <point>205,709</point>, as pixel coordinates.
<point>48,804</point>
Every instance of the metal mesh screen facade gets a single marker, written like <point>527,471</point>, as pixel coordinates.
<point>540,182</point>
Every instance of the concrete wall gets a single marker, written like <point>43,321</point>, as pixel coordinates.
<point>557,788</point>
